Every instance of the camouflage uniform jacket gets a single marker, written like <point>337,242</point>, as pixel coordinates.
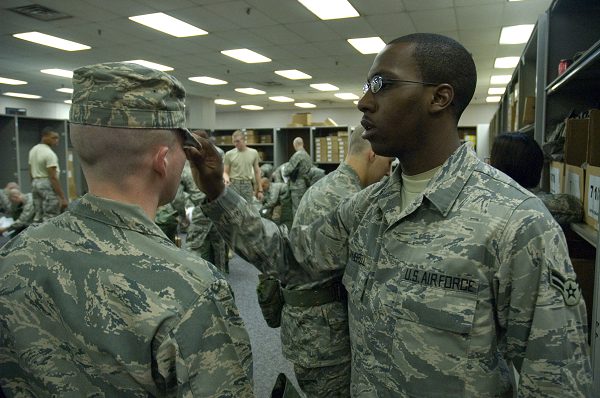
<point>22,213</point>
<point>4,202</point>
<point>277,190</point>
<point>443,295</point>
<point>97,301</point>
<point>311,336</point>
<point>298,169</point>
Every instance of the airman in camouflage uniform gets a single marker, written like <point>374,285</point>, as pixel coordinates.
<point>314,175</point>
<point>297,171</point>
<point>21,211</point>
<point>450,285</point>
<point>314,325</point>
<point>276,195</point>
<point>97,301</point>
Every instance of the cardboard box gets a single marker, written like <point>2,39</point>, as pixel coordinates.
<point>329,122</point>
<point>576,141</point>
<point>584,269</point>
<point>593,146</point>
<point>528,111</point>
<point>592,196</point>
<point>574,181</point>
<point>303,118</point>
<point>557,177</point>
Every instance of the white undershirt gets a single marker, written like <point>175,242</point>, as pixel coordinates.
<point>413,186</point>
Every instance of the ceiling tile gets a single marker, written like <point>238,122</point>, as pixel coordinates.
<point>434,21</point>
<point>419,5</point>
<point>370,7</point>
<point>395,24</point>
<point>478,37</point>
<point>313,31</point>
<point>479,16</point>
<point>352,27</point>
<point>283,11</point>
<point>516,13</point>
<point>241,13</point>
<point>277,34</point>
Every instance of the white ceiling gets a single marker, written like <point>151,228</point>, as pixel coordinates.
<point>282,30</point>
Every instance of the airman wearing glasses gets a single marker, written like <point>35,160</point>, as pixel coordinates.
<point>454,272</point>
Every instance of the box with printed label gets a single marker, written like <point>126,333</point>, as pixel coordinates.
<point>592,196</point>
<point>574,181</point>
<point>557,177</point>
<point>593,146</point>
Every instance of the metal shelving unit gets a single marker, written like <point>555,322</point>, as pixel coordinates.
<point>569,29</point>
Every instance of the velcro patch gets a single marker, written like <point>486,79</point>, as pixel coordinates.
<point>568,287</point>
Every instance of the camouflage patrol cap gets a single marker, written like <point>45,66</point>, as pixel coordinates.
<point>127,95</point>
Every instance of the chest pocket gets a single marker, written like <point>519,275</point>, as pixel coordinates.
<point>436,308</point>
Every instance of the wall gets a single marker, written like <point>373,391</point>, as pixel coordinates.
<point>473,115</point>
<point>200,111</point>
<point>36,108</point>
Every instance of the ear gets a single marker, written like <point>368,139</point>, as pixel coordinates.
<point>442,98</point>
<point>371,156</point>
<point>160,161</point>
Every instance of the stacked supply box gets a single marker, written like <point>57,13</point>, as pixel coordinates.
<point>251,137</point>
<point>592,196</point>
<point>557,177</point>
<point>223,140</point>
<point>343,144</point>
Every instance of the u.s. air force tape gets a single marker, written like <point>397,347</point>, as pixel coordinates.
<point>568,287</point>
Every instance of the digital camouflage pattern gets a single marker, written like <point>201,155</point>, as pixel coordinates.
<point>314,339</point>
<point>45,201</point>
<point>124,94</point>
<point>564,208</point>
<point>22,213</point>
<point>443,295</point>
<point>277,175</point>
<point>4,202</point>
<point>314,175</point>
<point>273,199</point>
<point>98,302</point>
<point>297,171</point>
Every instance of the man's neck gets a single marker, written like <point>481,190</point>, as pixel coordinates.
<point>145,198</point>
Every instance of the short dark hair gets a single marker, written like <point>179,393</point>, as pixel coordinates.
<point>444,60</point>
<point>518,156</point>
<point>48,130</point>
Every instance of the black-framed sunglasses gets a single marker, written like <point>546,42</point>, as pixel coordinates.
<point>376,83</point>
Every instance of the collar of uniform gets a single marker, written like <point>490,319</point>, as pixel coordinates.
<point>449,181</point>
<point>117,214</point>
<point>345,169</point>
<point>442,190</point>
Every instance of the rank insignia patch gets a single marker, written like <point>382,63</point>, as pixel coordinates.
<point>567,287</point>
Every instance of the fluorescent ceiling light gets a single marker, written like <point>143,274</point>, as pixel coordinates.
<point>58,72</point>
<point>347,96</point>
<point>51,41</point>
<point>293,74</point>
<point>250,91</point>
<point>5,80</point>
<point>245,55</point>
<point>305,105</point>
<point>65,90</point>
<point>493,99</point>
<point>220,101</point>
<point>324,87</point>
<point>151,65</point>
<point>211,81</point>
<point>500,79</point>
<point>252,107</point>
<point>516,34</point>
<point>68,101</point>
<point>281,99</point>
<point>168,25</point>
<point>496,90</point>
<point>330,9</point>
<point>506,62</point>
<point>367,45</point>
<point>21,95</point>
